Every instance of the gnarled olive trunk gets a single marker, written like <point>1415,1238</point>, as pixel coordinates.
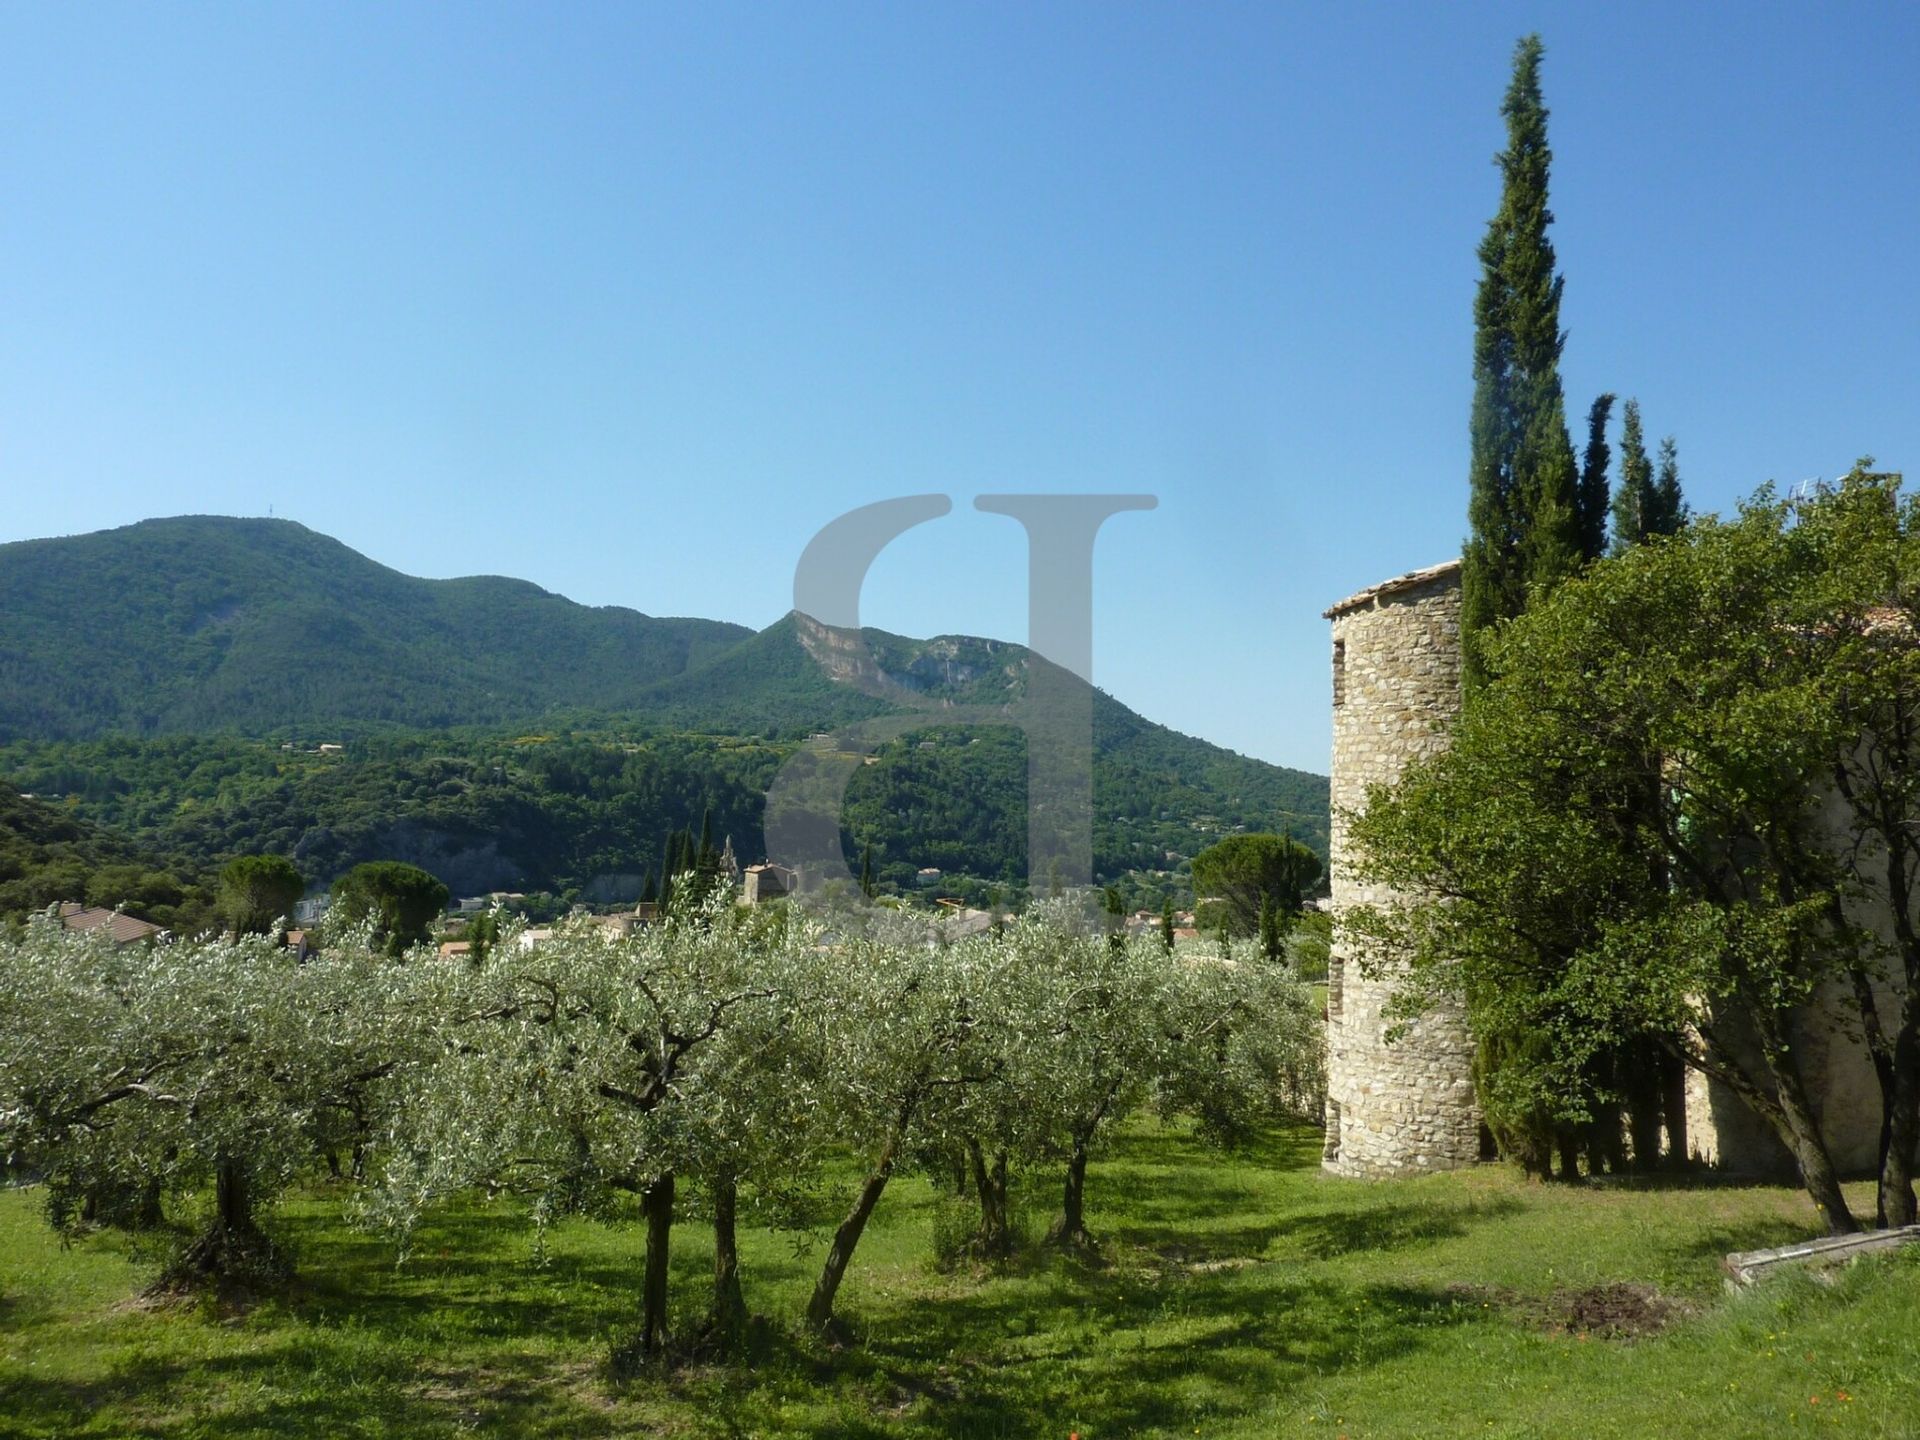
<point>840,1252</point>
<point>1071,1228</point>
<point>656,1206</point>
<point>232,1245</point>
<point>729,1302</point>
<point>994,1238</point>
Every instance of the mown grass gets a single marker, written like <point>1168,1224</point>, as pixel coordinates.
<point>1244,1297</point>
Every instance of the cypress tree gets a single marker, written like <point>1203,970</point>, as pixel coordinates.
<point>1633,497</point>
<point>1166,923</point>
<point>1668,511</point>
<point>1593,481</point>
<point>866,870</point>
<point>1273,940</point>
<point>1523,507</point>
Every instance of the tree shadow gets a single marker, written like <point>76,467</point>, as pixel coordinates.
<point>1147,1356</point>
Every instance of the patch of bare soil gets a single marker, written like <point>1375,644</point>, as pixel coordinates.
<point>1621,1311</point>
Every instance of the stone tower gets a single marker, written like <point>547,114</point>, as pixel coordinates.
<point>1407,1107</point>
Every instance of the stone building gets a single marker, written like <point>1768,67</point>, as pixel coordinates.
<point>1408,1107</point>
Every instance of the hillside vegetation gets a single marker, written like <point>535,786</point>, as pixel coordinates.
<point>152,677</point>
<point>49,854</point>
<point>211,623</point>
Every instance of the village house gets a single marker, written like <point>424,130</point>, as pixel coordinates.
<point>122,929</point>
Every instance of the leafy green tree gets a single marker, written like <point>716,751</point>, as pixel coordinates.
<point>400,901</point>
<point>1628,827</point>
<point>1249,872</point>
<point>1524,513</point>
<point>257,890</point>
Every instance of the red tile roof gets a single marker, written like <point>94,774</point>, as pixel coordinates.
<point>124,929</point>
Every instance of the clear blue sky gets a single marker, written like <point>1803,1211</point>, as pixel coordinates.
<point>630,300</point>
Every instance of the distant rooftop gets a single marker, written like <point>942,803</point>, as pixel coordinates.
<point>124,929</point>
<point>1412,580</point>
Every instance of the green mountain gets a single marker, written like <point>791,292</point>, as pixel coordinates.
<point>208,623</point>
<point>149,675</point>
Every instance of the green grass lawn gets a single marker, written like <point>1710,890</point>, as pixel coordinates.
<point>1243,1297</point>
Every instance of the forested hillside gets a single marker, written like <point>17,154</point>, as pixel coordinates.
<point>174,679</point>
<point>209,623</point>
<point>49,854</point>
<point>585,814</point>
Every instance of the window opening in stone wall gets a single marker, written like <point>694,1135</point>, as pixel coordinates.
<point>1339,672</point>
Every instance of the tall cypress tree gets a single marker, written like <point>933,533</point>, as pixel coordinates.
<point>1633,497</point>
<point>1594,498</point>
<point>1669,510</point>
<point>1523,509</point>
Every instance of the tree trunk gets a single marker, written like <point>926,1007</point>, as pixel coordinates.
<point>1673,1105</point>
<point>1802,1134</point>
<point>1640,1080</point>
<point>729,1303</point>
<point>820,1306</point>
<point>1071,1228</point>
<point>234,1195</point>
<point>232,1246</point>
<point>657,1205</point>
<point>1903,1128</point>
<point>994,1238</point>
<point>1785,1109</point>
<point>1567,1140</point>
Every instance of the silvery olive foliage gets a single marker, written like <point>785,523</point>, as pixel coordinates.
<point>148,1069</point>
<point>708,1064</point>
<point>583,1068</point>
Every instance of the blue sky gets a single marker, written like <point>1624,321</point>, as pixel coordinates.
<point>629,301</point>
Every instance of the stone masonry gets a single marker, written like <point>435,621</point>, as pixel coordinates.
<point>1408,1106</point>
<point>1405,1107</point>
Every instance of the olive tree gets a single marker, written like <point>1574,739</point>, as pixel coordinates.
<point>1082,1027</point>
<point>156,1071</point>
<point>595,1065</point>
<point>894,1031</point>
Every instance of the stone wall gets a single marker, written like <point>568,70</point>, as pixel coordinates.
<point>1723,1131</point>
<point>1408,1106</point>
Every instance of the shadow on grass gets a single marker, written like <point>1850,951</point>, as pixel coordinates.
<point>1123,1357</point>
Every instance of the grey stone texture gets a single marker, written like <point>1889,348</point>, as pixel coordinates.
<point>1406,1106</point>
